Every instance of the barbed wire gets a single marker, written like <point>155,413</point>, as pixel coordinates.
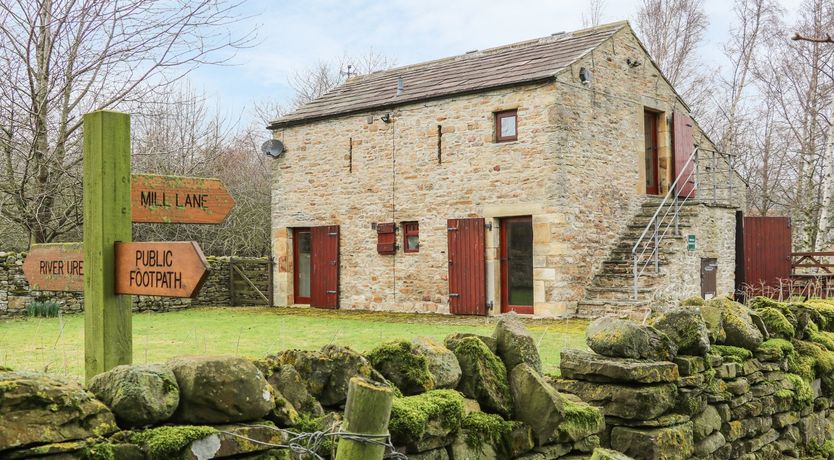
<point>310,443</point>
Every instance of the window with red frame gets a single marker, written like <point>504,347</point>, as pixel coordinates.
<point>411,237</point>
<point>506,126</point>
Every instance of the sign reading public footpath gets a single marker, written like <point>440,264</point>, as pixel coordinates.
<point>182,200</point>
<point>55,267</point>
<point>171,269</point>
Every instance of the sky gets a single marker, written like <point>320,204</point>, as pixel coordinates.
<point>292,35</point>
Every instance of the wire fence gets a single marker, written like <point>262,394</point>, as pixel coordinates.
<point>312,443</point>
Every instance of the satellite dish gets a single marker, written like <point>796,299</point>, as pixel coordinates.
<point>273,148</point>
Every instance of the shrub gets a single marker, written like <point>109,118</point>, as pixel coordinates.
<point>46,309</point>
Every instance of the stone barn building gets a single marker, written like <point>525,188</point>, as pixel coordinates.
<point>518,178</point>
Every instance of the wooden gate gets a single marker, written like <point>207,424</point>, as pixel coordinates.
<point>467,271</point>
<point>324,274</point>
<point>766,245</point>
<point>250,281</point>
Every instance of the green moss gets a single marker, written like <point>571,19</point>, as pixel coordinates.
<point>813,333</point>
<point>580,419</point>
<point>824,309</point>
<point>474,348</point>
<point>777,323</point>
<point>400,363</point>
<point>764,302</point>
<point>410,415</point>
<point>802,392</point>
<point>694,301</point>
<point>785,348</point>
<point>480,428</point>
<point>166,441</point>
<point>309,424</point>
<point>99,451</point>
<point>731,353</point>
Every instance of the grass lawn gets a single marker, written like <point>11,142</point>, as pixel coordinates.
<point>57,344</point>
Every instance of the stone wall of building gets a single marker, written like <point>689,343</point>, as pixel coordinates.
<point>714,229</point>
<point>15,294</point>
<point>577,169</point>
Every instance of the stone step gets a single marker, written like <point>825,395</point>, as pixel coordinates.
<point>618,293</point>
<point>606,280</point>
<point>589,309</point>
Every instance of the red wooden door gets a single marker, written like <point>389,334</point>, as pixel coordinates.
<point>467,272</point>
<point>651,155</point>
<point>684,146</point>
<point>767,250</point>
<point>324,282</point>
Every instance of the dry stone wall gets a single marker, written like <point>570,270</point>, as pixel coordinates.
<point>713,380</point>
<point>15,293</point>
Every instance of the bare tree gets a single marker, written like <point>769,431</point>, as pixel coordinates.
<point>593,16</point>
<point>312,82</point>
<point>178,133</point>
<point>672,31</point>
<point>63,58</point>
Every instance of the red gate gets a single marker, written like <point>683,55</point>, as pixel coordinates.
<point>467,271</point>
<point>766,248</point>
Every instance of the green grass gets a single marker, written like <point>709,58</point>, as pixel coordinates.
<point>57,344</point>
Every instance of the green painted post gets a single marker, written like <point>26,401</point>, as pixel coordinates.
<point>108,335</point>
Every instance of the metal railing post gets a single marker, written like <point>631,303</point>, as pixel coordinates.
<point>634,271</point>
<point>713,176</point>
<point>677,215</point>
<point>657,246</point>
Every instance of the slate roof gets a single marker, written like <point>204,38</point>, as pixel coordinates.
<point>518,63</point>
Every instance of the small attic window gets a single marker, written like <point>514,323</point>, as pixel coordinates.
<point>506,125</point>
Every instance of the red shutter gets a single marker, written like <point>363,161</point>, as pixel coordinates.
<point>684,146</point>
<point>386,238</point>
<point>324,274</point>
<point>467,277</point>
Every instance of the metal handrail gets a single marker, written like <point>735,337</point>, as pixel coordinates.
<point>674,204</point>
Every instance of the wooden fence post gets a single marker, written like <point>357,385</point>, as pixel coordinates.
<point>108,335</point>
<point>367,412</point>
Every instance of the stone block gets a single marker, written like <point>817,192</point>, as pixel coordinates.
<point>668,443</point>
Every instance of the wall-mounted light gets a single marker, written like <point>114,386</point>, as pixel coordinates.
<point>386,118</point>
<point>585,76</point>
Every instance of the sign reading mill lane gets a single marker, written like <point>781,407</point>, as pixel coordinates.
<point>182,200</point>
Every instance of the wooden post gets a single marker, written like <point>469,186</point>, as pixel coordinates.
<point>108,336</point>
<point>367,411</point>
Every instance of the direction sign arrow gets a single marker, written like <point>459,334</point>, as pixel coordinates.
<point>179,200</point>
<point>175,269</point>
<point>55,267</point>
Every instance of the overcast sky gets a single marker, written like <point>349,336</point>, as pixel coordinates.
<point>295,34</point>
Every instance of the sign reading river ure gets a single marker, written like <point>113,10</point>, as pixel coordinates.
<point>175,269</point>
<point>55,267</point>
<point>180,200</point>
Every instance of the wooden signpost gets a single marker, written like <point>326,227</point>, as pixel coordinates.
<point>107,266</point>
<point>163,269</point>
<point>183,200</point>
<point>55,267</point>
<point>108,333</point>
